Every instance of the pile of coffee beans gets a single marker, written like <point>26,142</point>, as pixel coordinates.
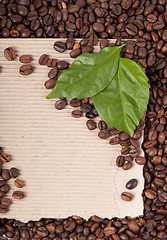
<point>55,71</point>
<point>145,21</point>
<point>5,176</point>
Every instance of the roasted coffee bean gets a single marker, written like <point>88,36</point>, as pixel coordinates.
<point>120,161</point>
<point>140,160</point>
<point>51,63</point>
<point>60,104</point>
<point>75,53</point>
<point>26,69</point>
<point>51,83</point>
<point>70,43</point>
<point>14,172</point>
<point>131,29</point>
<point>43,59</point>
<point>126,196</point>
<point>87,49</point>
<point>5,174</point>
<point>25,58</point>
<point>123,136</point>
<point>115,140</point>
<point>3,208</point>
<point>5,188</point>
<point>61,65</point>
<point>76,113</point>
<point>127,166</point>
<point>18,195</point>
<point>75,102</point>
<point>91,125</point>
<point>102,125</point>
<point>103,134</point>
<point>6,201</point>
<point>125,150</point>
<point>137,134</point>
<point>133,152</point>
<point>131,184</point>
<point>59,46</point>
<point>151,194</point>
<point>5,157</point>
<point>9,54</point>
<point>85,107</point>
<point>133,226</point>
<point>52,73</point>
<point>2,194</point>
<point>98,27</point>
<point>19,183</point>
<point>104,43</point>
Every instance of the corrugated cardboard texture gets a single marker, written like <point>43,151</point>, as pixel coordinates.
<point>67,169</point>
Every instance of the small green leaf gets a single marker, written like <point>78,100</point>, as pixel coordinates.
<point>123,102</point>
<point>88,75</point>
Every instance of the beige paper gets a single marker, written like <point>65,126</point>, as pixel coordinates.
<point>67,169</point>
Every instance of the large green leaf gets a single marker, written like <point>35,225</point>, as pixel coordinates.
<point>88,75</point>
<point>124,101</point>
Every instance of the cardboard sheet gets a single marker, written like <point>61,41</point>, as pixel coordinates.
<point>67,169</point>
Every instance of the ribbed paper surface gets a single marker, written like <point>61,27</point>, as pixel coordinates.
<point>67,169</point>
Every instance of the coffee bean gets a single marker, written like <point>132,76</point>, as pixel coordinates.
<point>22,10</point>
<point>51,83</point>
<point>151,194</point>
<point>6,201</point>
<point>76,113</point>
<point>60,104</point>
<point>108,231</point>
<point>140,160</point>
<point>127,166</point>
<point>9,54</point>
<point>26,69</point>
<point>137,134</point>
<point>102,125</point>
<point>123,136</point>
<point>131,184</point>
<point>75,53</point>
<point>43,59</point>
<point>5,188</point>
<point>131,29</point>
<point>5,157</point>
<point>98,27</point>
<point>75,103</point>
<point>133,226</point>
<point>59,46</point>
<point>5,174</point>
<point>103,134</point>
<point>19,183</point>
<point>18,195</point>
<point>91,125</point>
<point>61,65</point>
<point>126,4</point>
<point>14,172</point>
<point>51,63</point>
<point>52,73</point>
<point>2,194</point>
<point>70,43</point>
<point>133,152</point>
<point>126,196</point>
<point>115,140</point>
<point>125,150</point>
<point>120,161</point>
<point>85,107</point>
<point>3,208</point>
<point>25,58</point>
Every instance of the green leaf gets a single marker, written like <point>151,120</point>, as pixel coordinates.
<point>88,75</point>
<point>123,102</point>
